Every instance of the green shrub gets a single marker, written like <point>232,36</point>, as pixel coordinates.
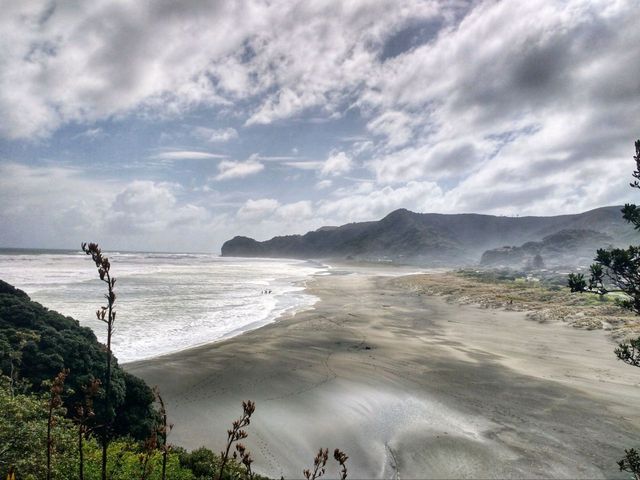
<point>125,462</point>
<point>37,343</point>
<point>23,437</point>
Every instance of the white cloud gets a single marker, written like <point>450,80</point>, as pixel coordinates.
<point>92,133</point>
<point>67,205</point>
<point>93,61</point>
<point>544,184</point>
<point>230,169</point>
<point>503,107</point>
<point>543,69</point>
<point>212,135</point>
<point>362,203</point>
<point>187,155</point>
<point>361,146</point>
<point>396,126</point>
<point>284,104</point>
<point>274,158</point>
<point>374,204</point>
<point>144,207</point>
<point>258,209</point>
<point>338,163</point>
<point>295,212</point>
<point>54,203</point>
<point>444,159</point>
<point>144,196</point>
<point>305,165</point>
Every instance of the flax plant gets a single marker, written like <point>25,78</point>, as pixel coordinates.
<point>319,464</point>
<point>83,418</point>
<point>108,316</point>
<point>163,431</point>
<point>341,458</point>
<point>237,433</point>
<point>55,402</point>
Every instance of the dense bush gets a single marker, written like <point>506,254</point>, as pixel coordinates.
<point>36,343</point>
<point>23,426</point>
<point>23,437</point>
<point>205,465</point>
<point>127,460</point>
<point>617,270</point>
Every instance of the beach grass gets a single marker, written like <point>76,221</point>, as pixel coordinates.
<point>543,299</point>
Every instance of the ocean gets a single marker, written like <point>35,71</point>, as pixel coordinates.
<point>165,302</point>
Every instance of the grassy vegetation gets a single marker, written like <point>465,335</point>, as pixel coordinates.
<point>543,296</point>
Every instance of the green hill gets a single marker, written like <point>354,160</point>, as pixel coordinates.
<point>428,238</point>
<point>36,343</point>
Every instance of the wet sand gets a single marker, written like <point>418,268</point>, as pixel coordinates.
<point>409,386</point>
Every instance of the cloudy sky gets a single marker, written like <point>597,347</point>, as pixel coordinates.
<point>165,125</point>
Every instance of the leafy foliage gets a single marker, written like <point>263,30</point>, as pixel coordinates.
<point>237,433</point>
<point>618,270</point>
<point>108,316</point>
<point>202,462</point>
<point>629,352</point>
<point>320,464</point>
<point>576,282</point>
<point>341,458</point>
<point>630,463</point>
<point>37,343</point>
<point>205,465</point>
<point>124,462</point>
<point>23,436</point>
<point>23,447</point>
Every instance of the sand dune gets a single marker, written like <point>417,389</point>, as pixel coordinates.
<point>410,387</point>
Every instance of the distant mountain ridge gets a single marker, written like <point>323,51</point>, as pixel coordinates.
<point>429,238</point>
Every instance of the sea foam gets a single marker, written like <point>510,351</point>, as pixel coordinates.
<point>166,302</point>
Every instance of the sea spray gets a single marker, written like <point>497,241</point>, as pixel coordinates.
<point>168,302</point>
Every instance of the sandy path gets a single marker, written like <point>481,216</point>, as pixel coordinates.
<point>410,387</point>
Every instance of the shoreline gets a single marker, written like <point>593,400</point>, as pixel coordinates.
<point>342,268</point>
<point>166,304</point>
<point>407,385</point>
<point>257,325</point>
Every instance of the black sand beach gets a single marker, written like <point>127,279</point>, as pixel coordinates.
<point>410,387</point>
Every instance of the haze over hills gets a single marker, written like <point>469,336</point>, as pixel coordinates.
<point>566,247</point>
<point>443,239</point>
